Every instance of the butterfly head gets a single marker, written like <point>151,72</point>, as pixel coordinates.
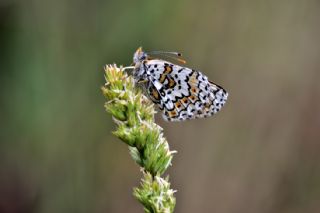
<point>139,72</point>
<point>139,56</point>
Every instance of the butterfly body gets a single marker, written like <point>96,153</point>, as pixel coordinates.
<point>180,92</point>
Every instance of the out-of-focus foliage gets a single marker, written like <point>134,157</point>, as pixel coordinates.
<point>259,154</point>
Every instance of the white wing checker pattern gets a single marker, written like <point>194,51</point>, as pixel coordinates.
<point>180,92</point>
<point>209,98</point>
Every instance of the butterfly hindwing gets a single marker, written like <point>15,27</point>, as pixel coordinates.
<point>182,93</point>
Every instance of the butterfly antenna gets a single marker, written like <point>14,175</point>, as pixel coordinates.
<point>165,52</point>
<point>173,55</point>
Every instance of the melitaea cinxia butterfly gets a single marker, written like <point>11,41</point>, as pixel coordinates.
<point>180,92</point>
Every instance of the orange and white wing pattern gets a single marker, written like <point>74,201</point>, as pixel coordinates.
<point>180,92</point>
<point>183,93</point>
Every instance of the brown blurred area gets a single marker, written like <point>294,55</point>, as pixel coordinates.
<point>261,153</point>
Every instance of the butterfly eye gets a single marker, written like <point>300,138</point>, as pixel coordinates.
<point>142,56</point>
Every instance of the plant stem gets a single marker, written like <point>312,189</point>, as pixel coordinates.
<point>134,115</point>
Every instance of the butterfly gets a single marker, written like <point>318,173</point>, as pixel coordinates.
<point>180,92</point>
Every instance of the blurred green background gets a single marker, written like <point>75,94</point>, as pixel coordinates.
<point>261,153</point>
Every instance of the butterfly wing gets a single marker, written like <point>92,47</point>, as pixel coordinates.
<point>182,93</point>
